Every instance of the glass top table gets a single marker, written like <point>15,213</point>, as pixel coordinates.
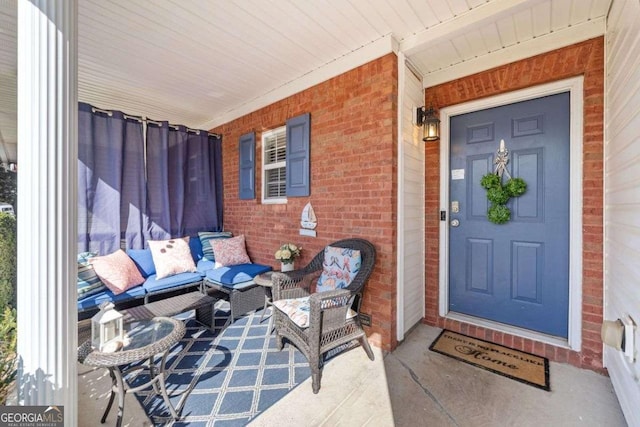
<point>143,333</point>
<point>143,340</point>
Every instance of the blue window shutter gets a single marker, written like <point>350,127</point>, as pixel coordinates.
<point>298,173</point>
<point>247,161</point>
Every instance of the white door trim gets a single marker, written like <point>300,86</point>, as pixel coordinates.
<point>410,298</point>
<point>400,203</point>
<point>575,87</point>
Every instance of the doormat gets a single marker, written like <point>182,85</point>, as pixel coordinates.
<point>515,364</point>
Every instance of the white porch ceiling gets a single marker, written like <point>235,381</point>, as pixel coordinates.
<point>205,62</point>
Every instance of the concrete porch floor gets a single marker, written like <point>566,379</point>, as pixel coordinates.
<point>410,387</point>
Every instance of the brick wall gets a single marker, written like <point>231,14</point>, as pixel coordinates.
<point>353,179</point>
<point>586,58</point>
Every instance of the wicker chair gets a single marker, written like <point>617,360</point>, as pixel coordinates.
<point>329,326</point>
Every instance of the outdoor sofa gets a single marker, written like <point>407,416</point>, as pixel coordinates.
<point>231,279</point>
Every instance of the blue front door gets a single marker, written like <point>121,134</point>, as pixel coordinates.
<point>515,273</point>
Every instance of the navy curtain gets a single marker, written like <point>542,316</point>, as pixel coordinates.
<point>184,181</point>
<point>111,184</point>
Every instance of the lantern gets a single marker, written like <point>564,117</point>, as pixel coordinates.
<point>107,326</point>
<point>429,122</point>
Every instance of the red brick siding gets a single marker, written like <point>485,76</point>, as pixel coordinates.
<point>586,58</point>
<point>353,179</point>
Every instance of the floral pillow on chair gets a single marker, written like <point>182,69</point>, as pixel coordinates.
<point>339,268</point>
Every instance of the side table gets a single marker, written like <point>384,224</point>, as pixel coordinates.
<point>264,280</point>
<point>144,339</point>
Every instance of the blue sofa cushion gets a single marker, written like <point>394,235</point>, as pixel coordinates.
<point>143,260</point>
<point>95,300</point>
<point>196,248</point>
<point>236,276</point>
<point>205,265</point>
<point>152,284</point>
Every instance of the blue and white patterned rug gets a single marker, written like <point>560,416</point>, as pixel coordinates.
<point>226,377</point>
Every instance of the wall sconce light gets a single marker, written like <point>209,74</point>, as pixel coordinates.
<point>429,122</point>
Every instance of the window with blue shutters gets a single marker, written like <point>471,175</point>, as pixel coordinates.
<point>274,165</point>
<point>285,161</point>
<point>247,160</point>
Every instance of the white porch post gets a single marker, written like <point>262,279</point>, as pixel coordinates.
<point>47,197</point>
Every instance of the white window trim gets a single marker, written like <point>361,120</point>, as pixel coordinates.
<point>271,201</point>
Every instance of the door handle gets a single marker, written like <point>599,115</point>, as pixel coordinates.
<point>455,222</point>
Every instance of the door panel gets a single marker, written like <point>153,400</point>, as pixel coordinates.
<point>526,283</point>
<point>476,195</point>
<point>479,265</point>
<point>515,273</point>
<point>527,164</point>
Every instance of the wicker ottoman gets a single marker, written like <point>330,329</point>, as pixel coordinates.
<point>201,303</point>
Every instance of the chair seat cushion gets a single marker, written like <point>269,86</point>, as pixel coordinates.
<point>236,274</point>
<point>153,284</point>
<point>107,295</point>
<point>299,309</point>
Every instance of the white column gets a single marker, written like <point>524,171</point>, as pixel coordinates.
<point>47,197</point>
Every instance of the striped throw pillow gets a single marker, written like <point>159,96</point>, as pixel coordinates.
<point>205,239</point>
<point>88,281</point>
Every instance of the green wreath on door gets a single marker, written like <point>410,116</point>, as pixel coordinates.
<point>499,195</point>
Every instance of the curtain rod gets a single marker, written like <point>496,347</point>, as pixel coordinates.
<point>98,110</point>
<point>176,127</point>
<point>148,120</point>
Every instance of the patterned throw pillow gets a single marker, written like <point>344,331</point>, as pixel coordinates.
<point>205,239</point>
<point>230,251</point>
<point>339,267</point>
<point>88,281</point>
<point>171,257</point>
<point>117,271</point>
<point>299,310</point>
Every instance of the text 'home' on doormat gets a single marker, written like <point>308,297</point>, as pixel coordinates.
<point>515,364</point>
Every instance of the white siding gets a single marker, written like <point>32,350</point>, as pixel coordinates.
<point>411,207</point>
<point>622,193</point>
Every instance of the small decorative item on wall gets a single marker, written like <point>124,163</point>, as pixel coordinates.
<point>287,255</point>
<point>308,221</point>
<point>499,194</point>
